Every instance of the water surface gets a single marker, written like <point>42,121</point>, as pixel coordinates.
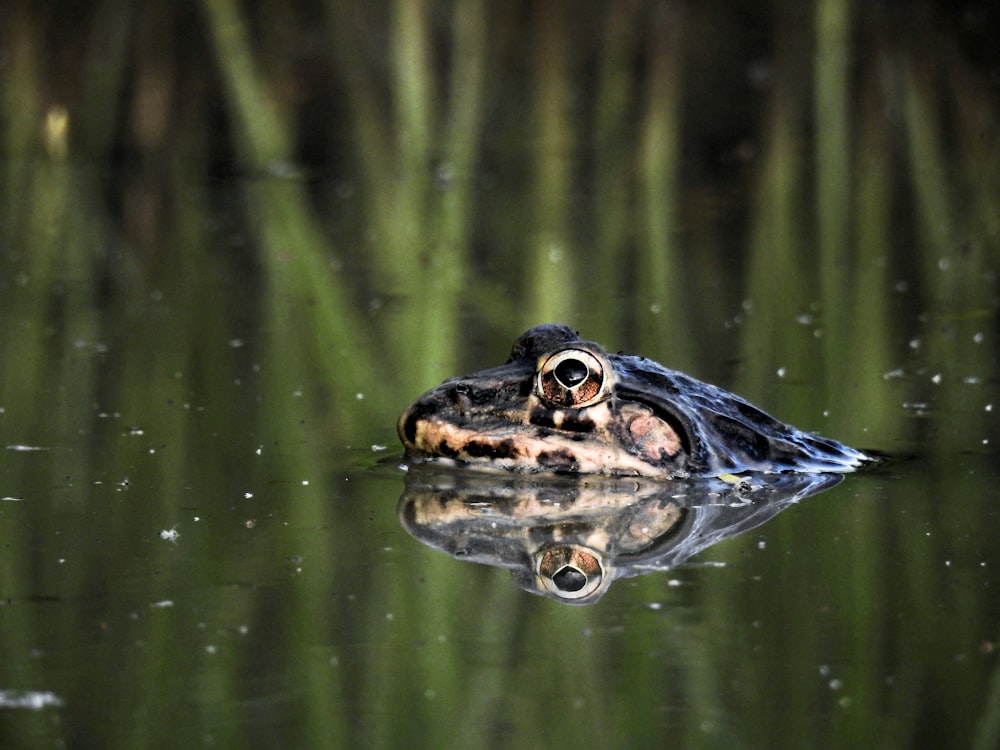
<point>216,298</point>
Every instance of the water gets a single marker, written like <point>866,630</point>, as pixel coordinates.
<point>199,550</point>
<point>207,332</point>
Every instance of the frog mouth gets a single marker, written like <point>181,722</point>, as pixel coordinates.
<point>535,450</point>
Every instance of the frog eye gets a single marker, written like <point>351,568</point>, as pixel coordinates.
<point>569,571</point>
<point>573,377</point>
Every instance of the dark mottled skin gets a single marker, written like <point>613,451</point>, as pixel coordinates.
<point>558,460</point>
<point>645,419</point>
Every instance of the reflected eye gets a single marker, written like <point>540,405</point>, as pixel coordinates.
<point>573,377</point>
<point>569,571</point>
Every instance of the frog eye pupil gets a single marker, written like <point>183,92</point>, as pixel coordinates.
<point>570,572</point>
<point>571,378</point>
<point>569,579</point>
<point>571,372</point>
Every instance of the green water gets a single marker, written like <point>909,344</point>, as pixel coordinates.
<point>235,244</point>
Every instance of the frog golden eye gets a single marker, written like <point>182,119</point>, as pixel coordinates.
<point>569,571</point>
<point>573,378</point>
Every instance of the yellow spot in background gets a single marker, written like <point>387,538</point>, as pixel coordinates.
<point>57,132</point>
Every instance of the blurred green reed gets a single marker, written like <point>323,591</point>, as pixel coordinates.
<point>503,167</point>
<point>413,128</point>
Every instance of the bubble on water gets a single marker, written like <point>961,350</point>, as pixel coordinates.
<point>917,408</point>
<point>171,534</point>
<point>32,700</point>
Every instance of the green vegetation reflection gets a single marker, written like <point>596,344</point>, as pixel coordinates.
<point>235,241</point>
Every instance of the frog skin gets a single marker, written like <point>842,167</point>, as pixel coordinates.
<point>563,405</point>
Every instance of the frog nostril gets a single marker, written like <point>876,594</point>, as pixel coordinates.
<point>460,394</point>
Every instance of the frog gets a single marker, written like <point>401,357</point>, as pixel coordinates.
<point>563,405</point>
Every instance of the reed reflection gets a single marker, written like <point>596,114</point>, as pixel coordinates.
<point>570,538</point>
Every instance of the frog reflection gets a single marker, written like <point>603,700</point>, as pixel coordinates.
<point>568,539</point>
